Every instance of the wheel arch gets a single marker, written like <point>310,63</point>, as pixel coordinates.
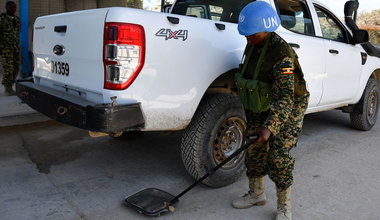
<point>358,107</point>
<point>376,75</point>
<point>224,83</point>
<point>367,73</point>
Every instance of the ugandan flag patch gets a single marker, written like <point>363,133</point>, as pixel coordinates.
<point>287,70</point>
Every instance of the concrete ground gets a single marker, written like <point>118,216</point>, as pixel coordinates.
<point>13,111</point>
<point>52,171</point>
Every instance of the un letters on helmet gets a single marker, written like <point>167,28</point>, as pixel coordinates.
<point>270,22</point>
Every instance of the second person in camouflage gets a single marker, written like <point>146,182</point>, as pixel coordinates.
<point>10,46</point>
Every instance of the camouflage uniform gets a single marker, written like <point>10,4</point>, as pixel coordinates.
<point>284,118</point>
<point>10,47</point>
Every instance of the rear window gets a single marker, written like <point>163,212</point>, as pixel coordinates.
<point>217,10</point>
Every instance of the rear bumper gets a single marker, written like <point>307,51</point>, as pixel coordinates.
<point>71,110</point>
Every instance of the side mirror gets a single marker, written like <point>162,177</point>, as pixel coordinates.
<point>360,36</point>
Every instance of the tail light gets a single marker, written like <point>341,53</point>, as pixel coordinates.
<point>124,54</point>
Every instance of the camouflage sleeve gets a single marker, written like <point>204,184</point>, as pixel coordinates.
<point>282,95</point>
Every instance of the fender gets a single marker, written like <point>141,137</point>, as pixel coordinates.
<point>370,69</point>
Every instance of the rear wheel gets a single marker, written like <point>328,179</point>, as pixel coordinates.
<point>370,104</point>
<point>215,132</point>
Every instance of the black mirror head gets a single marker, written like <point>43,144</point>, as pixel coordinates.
<point>360,36</point>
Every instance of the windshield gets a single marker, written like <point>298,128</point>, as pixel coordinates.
<point>217,10</point>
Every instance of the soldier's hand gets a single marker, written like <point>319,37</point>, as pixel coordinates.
<point>264,134</point>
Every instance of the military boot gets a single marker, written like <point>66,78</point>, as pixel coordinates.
<point>9,91</point>
<point>284,209</point>
<point>254,197</point>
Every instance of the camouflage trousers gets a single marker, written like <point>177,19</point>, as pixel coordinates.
<point>273,157</point>
<point>10,60</point>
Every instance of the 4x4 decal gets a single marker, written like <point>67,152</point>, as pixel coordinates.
<point>169,34</point>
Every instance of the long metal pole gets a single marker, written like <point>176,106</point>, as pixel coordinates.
<point>252,140</point>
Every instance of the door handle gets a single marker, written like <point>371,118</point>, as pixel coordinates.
<point>173,20</point>
<point>333,51</point>
<point>220,26</point>
<point>295,45</point>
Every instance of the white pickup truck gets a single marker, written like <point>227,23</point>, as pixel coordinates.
<point>119,70</point>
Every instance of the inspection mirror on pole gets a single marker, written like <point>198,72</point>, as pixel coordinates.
<point>155,202</point>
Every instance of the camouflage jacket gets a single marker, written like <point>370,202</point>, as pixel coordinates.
<point>9,31</point>
<point>286,76</point>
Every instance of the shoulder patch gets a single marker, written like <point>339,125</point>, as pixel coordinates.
<point>287,70</point>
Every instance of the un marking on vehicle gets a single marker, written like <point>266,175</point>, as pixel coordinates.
<point>169,34</point>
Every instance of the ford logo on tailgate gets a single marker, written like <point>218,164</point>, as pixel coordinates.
<point>59,50</point>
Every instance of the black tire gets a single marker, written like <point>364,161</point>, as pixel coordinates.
<point>129,135</point>
<point>218,117</point>
<point>370,104</point>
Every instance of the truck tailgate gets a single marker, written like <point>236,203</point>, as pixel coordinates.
<point>68,52</point>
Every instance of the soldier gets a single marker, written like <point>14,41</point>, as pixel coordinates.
<point>10,46</point>
<point>273,91</point>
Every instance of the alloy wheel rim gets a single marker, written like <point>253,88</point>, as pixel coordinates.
<point>372,107</point>
<point>228,140</point>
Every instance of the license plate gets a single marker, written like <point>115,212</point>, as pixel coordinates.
<point>60,68</point>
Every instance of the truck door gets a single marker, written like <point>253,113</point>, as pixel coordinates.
<point>299,31</point>
<point>343,63</point>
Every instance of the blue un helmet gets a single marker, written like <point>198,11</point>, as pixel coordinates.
<point>258,17</point>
